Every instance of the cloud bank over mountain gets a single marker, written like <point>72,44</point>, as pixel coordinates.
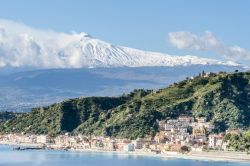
<point>24,46</point>
<point>207,42</point>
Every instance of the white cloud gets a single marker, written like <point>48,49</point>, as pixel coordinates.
<point>207,42</point>
<point>21,45</point>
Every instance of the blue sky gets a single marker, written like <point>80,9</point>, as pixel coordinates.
<point>141,24</point>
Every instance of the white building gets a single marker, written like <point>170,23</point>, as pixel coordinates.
<point>186,119</point>
<point>129,147</point>
<point>215,141</point>
<point>43,139</point>
<point>201,120</point>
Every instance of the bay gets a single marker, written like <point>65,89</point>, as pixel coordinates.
<point>10,157</point>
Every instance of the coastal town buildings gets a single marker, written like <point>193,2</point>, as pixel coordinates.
<point>174,134</point>
<point>184,131</point>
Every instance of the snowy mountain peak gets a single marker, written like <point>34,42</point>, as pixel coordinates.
<point>48,49</point>
<point>92,52</point>
<point>81,35</point>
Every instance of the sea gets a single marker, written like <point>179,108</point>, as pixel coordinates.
<point>11,157</point>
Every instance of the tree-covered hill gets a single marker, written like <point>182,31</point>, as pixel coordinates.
<point>4,116</point>
<point>222,98</point>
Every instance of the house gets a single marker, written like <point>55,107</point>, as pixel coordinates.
<point>201,120</point>
<point>209,127</point>
<point>44,139</point>
<point>61,140</point>
<point>174,147</point>
<point>119,144</point>
<point>129,147</point>
<point>109,144</point>
<point>199,132</point>
<point>140,143</point>
<point>160,137</point>
<point>168,127</point>
<point>215,140</point>
<point>186,119</point>
<point>208,74</point>
<point>73,141</point>
<point>182,130</point>
<point>162,125</point>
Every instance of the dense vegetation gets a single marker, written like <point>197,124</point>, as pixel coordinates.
<point>222,98</point>
<point>239,142</point>
<point>4,116</point>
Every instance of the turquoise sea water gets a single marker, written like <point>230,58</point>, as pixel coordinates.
<point>10,157</point>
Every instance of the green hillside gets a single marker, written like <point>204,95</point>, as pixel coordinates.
<point>4,116</point>
<point>222,98</point>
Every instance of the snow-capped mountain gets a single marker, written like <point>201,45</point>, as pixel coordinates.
<point>41,49</point>
<point>86,51</point>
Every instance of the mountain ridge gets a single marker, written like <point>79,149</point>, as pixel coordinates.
<point>24,90</point>
<point>221,98</point>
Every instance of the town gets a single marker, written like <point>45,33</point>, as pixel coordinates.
<point>183,134</point>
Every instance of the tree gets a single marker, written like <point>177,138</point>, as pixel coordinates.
<point>185,149</point>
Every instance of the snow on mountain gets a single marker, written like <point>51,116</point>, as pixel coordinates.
<point>23,46</point>
<point>86,51</point>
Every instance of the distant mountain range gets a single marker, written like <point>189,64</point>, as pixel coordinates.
<point>24,90</point>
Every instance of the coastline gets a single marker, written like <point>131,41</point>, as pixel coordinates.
<point>202,156</point>
<point>170,155</point>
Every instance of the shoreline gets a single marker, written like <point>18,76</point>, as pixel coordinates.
<point>167,156</point>
<point>204,156</point>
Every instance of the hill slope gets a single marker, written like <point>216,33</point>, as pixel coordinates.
<point>222,98</point>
